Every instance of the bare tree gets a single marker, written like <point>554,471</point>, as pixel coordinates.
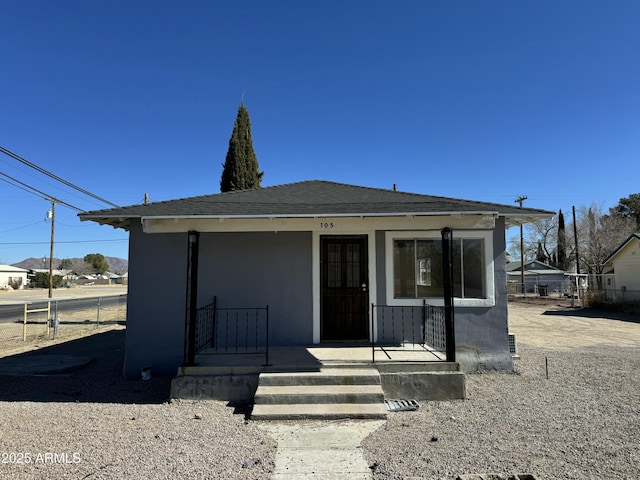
<point>539,241</point>
<point>599,235</point>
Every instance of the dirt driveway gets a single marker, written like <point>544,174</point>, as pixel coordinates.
<point>561,327</point>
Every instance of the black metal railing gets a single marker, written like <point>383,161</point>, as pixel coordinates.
<point>232,330</point>
<point>434,327</point>
<point>205,321</point>
<point>409,328</point>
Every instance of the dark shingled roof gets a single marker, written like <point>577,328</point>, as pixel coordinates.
<point>306,199</point>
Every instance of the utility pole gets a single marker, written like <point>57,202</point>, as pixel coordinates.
<point>52,216</point>
<point>519,200</point>
<point>575,239</point>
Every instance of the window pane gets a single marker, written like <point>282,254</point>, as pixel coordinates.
<point>404,275</point>
<point>418,264</point>
<point>474,286</point>
<point>430,251</point>
<point>457,268</point>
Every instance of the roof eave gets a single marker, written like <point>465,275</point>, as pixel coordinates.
<point>115,222</point>
<point>511,219</point>
<point>517,219</point>
<point>621,247</point>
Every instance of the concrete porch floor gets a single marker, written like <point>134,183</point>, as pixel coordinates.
<point>410,372</point>
<point>315,356</point>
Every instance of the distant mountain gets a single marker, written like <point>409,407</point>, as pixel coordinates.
<point>116,265</point>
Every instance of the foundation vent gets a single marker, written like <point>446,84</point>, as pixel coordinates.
<point>513,345</point>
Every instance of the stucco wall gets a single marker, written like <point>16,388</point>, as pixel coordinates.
<point>259,269</point>
<point>155,302</point>
<point>275,269</point>
<point>481,332</point>
<point>242,270</point>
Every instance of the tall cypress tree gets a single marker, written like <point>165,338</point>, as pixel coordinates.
<point>562,243</point>
<point>240,170</point>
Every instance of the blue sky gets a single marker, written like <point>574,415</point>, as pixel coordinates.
<point>484,100</point>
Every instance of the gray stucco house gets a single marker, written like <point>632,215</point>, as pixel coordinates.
<point>289,246</point>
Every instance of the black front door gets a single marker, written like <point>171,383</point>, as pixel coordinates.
<point>344,288</point>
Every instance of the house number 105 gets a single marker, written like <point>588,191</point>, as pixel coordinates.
<point>326,225</point>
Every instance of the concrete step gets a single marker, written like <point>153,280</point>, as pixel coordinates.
<point>306,411</point>
<point>406,367</point>
<point>325,376</point>
<point>207,370</point>
<point>320,394</point>
<point>329,393</point>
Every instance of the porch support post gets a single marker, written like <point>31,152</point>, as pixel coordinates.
<point>192,298</point>
<point>447,276</point>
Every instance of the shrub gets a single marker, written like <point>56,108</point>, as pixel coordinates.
<point>41,280</point>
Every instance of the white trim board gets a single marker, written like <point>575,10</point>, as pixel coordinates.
<point>315,269</point>
<point>486,235</point>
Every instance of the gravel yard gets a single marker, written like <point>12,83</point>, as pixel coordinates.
<point>93,424</point>
<point>581,422</point>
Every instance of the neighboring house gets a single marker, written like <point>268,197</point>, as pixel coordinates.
<point>539,277</point>
<point>625,263</point>
<point>12,277</point>
<point>66,275</point>
<point>319,254</point>
<point>106,278</point>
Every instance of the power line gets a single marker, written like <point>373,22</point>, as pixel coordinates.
<point>55,177</point>
<point>66,242</point>
<point>35,191</point>
<point>24,226</point>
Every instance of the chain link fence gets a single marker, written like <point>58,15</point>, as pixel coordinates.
<point>615,299</point>
<point>587,290</point>
<point>42,321</point>
<point>561,293</point>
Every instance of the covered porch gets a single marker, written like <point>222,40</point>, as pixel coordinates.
<point>314,357</point>
<point>310,374</point>
<point>240,337</point>
<point>243,336</point>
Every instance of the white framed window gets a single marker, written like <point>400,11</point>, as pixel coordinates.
<point>414,268</point>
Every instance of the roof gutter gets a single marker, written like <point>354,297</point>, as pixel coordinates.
<point>516,217</point>
<point>315,215</point>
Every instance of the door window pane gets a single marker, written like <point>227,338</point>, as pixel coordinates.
<point>353,266</point>
<point>334,272</point>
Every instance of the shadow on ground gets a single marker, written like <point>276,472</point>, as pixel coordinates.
<point>593,313</point>
<point>100,381</point>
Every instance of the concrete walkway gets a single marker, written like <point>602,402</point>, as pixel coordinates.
<point>328,450</point>
<point>40,364</point>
